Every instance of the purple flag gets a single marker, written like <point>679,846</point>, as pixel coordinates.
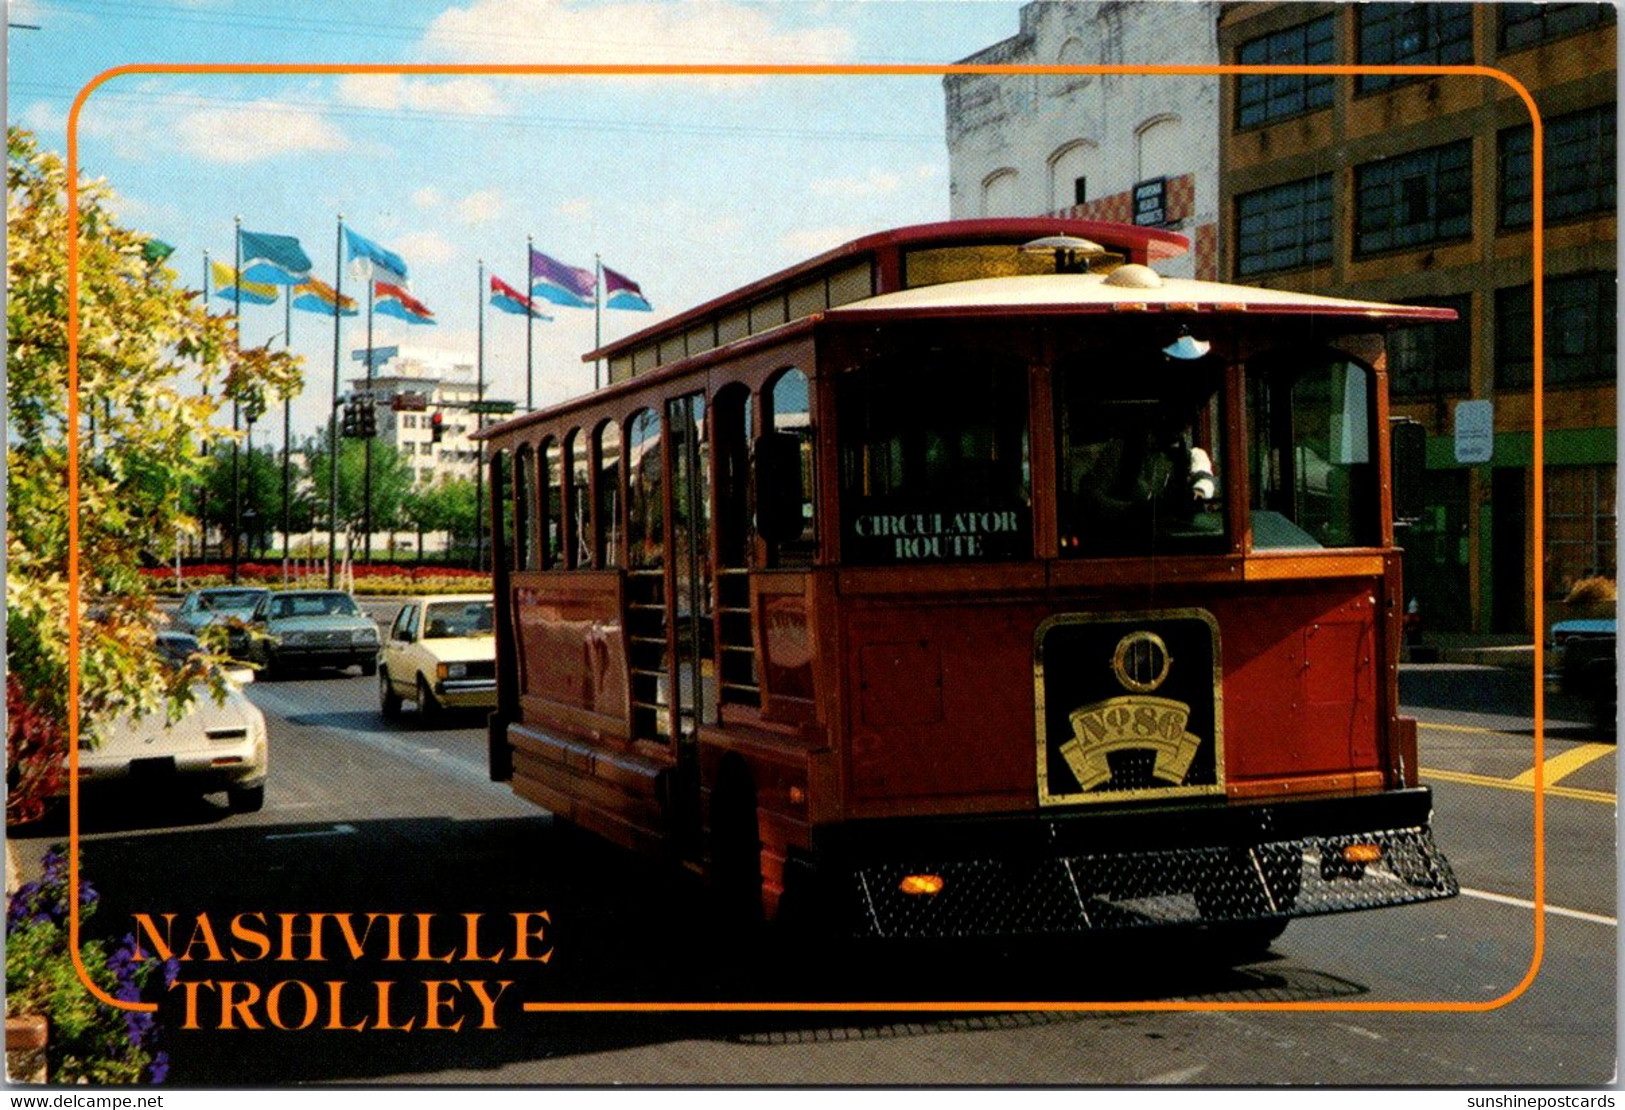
<point>552,280</point>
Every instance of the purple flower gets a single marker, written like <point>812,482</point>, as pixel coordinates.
<point>172,971</point>
<point>158,1070</point>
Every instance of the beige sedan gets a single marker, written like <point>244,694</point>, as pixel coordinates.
<point>440,652</point>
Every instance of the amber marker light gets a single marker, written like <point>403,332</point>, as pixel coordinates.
<point>1362,853</point>
<point>921,884</point>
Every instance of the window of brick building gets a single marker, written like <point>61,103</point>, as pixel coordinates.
<point>1261,98</point>
<point>1414,199</point>
<point>1430,359</point>
<point>1412,34</point>
<point>1284,226</point>
<point>1580,331</point>
<point>1580,171</point>
<point>1580,525</point>
<point>1524,25</point>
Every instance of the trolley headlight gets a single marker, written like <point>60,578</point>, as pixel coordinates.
<point>921,884</point>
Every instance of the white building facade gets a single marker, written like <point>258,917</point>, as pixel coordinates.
<point>1129,148</point>
<point>448,383</point>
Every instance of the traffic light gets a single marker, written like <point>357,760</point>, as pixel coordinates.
<point>367,417</point>
<point>437,426</point>
<point>350,425</point>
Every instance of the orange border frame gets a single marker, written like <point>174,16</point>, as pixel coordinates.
<point>1537,462</point>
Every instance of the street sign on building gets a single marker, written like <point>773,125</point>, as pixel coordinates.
<point>1151,202</point>
<point>1475,431</point>
<point>491,408</point>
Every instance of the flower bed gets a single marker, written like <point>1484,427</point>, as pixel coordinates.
<point>370,578</point>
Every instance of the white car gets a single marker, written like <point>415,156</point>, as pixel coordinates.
<point>440,652</point>
<point>215,746</point>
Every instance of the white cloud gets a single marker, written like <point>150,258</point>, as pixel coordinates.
<point>567,32</point>
<point>875,183</point>
<point>577,207</point>
<point>255,132</point>
<point>394,91</point>
<point>808,241</point>
<point>427,197</point>
<point>420,248</point>
<point>483,207</point>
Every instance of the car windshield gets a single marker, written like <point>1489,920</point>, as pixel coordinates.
<point>230,599</point>
<point>314,605</point>
<point>448,619</point>
<point>175,648</point>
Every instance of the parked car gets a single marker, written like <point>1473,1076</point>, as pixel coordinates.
<point>1584,655</point>
<point>312,628</point>
<point>215,746</point>
<point>221,605</point>
<point>440,653</point>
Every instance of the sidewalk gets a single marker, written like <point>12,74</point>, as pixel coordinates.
<point>1486,650</point>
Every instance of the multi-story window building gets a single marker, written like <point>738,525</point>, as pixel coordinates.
<point>1419,189</point>
<point>1109,147</point>
<point>446,380</point>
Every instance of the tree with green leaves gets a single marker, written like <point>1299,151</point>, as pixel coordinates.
<point>154,367</point>
<point>445,506</point>
<point>391,481</point>
<point>258,481</point>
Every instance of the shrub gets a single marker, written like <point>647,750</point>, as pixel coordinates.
<point>90,1041</point>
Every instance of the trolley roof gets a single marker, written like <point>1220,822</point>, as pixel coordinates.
<point>1126,289</point>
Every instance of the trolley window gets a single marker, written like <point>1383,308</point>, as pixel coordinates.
<point>934,459</point>
<point>1136,449</point>
<point>1313,470</point>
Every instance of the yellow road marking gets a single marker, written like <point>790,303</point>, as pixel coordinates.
<point>1563,764</point>
<point>1526,788</point>
<point>1468,728</point>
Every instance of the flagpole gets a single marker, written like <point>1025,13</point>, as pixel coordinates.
<point>597,313</point>
<point>366,448</point>
<point>530,320</point>
<point>203,490</point>
<point>237,328</point>
<point>479,454</point>
<point>287,435</point>
<point>333,413</point>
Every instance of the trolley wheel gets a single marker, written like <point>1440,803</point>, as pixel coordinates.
<point>389,702</point>
<point>429,707</point>
<point>736,852</point>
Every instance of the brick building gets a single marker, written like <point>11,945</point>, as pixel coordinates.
<point>1418,189</point>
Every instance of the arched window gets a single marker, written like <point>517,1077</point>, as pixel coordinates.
<point>784,472</point>
<point>999,193</point>
<point>645,500</point>
<point>1068,174</point>
<point>523,552</point>
<point>607,489</point>
<point>579,521</point>
<point>731,431</point>
<point>550,504</point>
<point>1158,149</point>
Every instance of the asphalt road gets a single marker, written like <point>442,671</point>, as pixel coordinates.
<point>365,818</point>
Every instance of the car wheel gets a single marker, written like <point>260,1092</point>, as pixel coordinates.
<point>388,700</point>
<point>246,799</point>
<point>369,667</point>
<point>429,707</point>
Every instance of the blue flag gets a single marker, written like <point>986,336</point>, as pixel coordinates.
<point>368,259</point>
<point>277,259</point>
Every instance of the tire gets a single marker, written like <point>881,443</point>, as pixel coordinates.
<point>389,702</point>
<point>246,799</point>
<point>369,667</point>
<point>736,853</point>
<point>429,707</point>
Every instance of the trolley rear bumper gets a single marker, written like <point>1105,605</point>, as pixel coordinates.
<point>1078,871</point>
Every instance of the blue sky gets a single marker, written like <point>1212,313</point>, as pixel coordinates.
<point>689,186</point>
